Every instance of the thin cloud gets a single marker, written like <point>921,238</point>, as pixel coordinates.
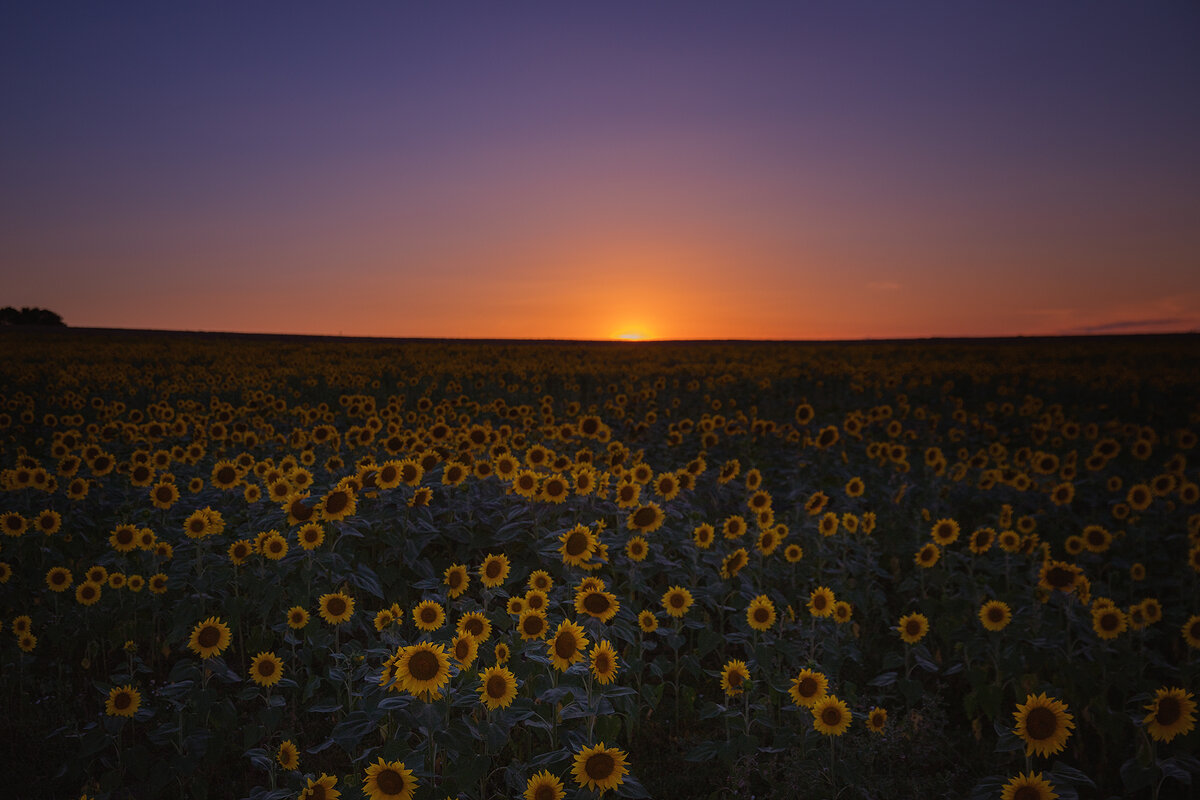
<point>1159,324</point>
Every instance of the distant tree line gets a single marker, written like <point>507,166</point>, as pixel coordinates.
<point>29,316</point>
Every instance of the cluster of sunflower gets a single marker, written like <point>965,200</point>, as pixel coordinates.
<point>700,539</point>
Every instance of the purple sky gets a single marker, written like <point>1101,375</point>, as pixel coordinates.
<point>592,170</point>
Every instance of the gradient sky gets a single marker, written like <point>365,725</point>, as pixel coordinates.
<point>597,169</point>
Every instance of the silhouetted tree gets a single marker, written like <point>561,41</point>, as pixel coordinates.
<point>29,316</point>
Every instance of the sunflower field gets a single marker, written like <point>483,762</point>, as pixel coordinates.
<point>278,567</point>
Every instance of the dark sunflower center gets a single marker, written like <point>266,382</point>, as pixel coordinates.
<point>423,665</point>
<point>1109,621</point>
<point>1059,577</point>
<point>643,517</point>
<point>912,627</point>
<point>390,781</point>
<point>577,543</point>
<point>88,592</point>
<point>1041,723</point>
<point>455,580</point>
<point>676,601</point>
<point>602,663</point>
<point>492,570</point>
<point>596,603</point>
<point>474,626</point>
<point>819,602</point>
<point>565,644</point>
<point>807,687</point>
<point>831,716</point>
<point>735,678</point>
<point>1168,712</point>
<point>761,614</point>
<point>266,668</point>
<point>226,475</point>
<point>544,792</point>
<point>337,502</point>
<point>532,625</point>
<point>122,701</point>
<point>163,494</point>
<point>429,615</point>
<point>462,649</point>
<point>209,636</point>
<point>317,792</point>
<point>124,536</point>
<point>1028,793</point>
<point>497,687</point>
<point>58,577</point>
<point>995,614</point>
<point>336,606</point>
<point>195,526</point>
<point>599,766</point>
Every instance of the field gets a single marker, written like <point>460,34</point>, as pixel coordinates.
<point>256,567</point>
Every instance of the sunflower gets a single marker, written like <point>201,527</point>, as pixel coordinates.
<point>945,532</point>
<point>422,669</point>
<point>266,669</point>
<point>646,518</point>
<point>389,780</point>
<point>600,767</point>
<point>476,624</point>
<point>831,716</point>
<point>494,570</point>
<point>676,601</point>
<point>1028,787</point>
<point>820,601</point>
<point>123,701</point>
<point>311,536</point>
<point>544,786</point>
<point>733,563</point>
<point>578,545</point>
<point>465,649</point>
<point>123,538</point>
<point>14,524</point>
<point>760,615</point>
<point>734,677</point>
<point>225,475</point>
<point>541,580</point>
<point>287,755</point>
<point>336,607</point>
<point>842,612</point>
<point>297,617</point>
<point>649,623</point>
<point>603,662</point>
<point>1059,575</point>
<point>599,604</point>
<point>428,615</point>
<point>567,645</point>
<point>1010,541</point>
<point>793,553</point>
<point>876,720</point>
<point>1044,724</point>
<point>913,627</point>
<point>703,536</point>
<point>829,524</point>
<point>636,548</point>
<point>995,615</point>
<point>209,638</point>
<point>1139,497</point>
<point>532,625</point>
<point>1191,631</point>
<point>734,527</point>
<point>1172,712</point>
<point>59,579</point>
<point>927,556</point>
<point>981,540</point>
<point>1109,622</point>
<point>5,572</point>
<point>456,579</point>
<point>88,593</point>
<point>320,788</point>
<point>274,546</point>
<point>195,526</point>
<point>498,687</point>
<point>808,687</point>
<point>27,642</point>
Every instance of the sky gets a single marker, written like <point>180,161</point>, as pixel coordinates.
<point>599,170</point>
